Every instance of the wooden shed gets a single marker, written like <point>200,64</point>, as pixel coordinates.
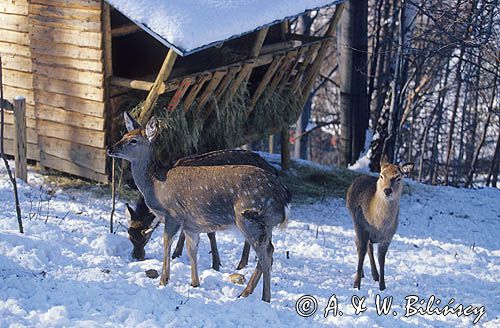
<point>76,61</point>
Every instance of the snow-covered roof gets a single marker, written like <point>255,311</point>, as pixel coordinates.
<point>188,26</point>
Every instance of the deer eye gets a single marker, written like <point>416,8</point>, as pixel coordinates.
<point>381,177</point>
<point>398,179</point>
<point>133,141</point>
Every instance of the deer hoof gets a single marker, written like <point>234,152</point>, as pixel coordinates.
<point>375,277</point>
<point>382,285</point>
<point>197,284</point>
<point>163,281</point>
<point>241,266</point>
<point>245,293</point>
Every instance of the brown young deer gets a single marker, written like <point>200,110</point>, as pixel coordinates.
<point>374,206</point>
<point>206,199</point>
<point>141,219</point>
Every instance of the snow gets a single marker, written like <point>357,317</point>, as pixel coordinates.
<point>68,270</point>
<point>192,25</point>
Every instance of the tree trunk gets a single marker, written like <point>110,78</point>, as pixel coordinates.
<point>495,164</point>
<point>353,83</point>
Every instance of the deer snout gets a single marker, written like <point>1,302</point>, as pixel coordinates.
<point>388,191</point>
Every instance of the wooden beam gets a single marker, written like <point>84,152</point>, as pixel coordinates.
<point>322,52</point>
<point>283,68</point>
<point>259,41</point>
<point>279,46</point>
<point>214,82</point>
<point>265,80</point>
<point>307,59</point>
<point>125,30</point>
<point>135,84</point>
<point>179,94</point>
<point>165,70</point>
<point>247,68</point>
<point>293,66</point>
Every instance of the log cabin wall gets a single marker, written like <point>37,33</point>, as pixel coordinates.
<point>65,38</point>
<point>17,70</point>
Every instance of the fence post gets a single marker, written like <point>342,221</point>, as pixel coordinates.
<point>20,138</point>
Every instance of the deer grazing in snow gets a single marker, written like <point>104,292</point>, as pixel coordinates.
<point>206,199</point>
<point>374,206</point>
<point>141,220</point>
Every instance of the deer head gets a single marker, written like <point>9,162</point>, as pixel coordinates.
<point>139,230</point>
<point>390,181</point>
<point>135,144</point>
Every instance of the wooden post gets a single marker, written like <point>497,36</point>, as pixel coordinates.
<point>165,70</point>
<point>285,149</point>
<point>20,138</point>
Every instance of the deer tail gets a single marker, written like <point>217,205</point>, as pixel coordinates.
<point>287,207</point>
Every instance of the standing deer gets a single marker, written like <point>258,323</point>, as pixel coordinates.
<point>374,206</point>
<point>206,199</point>
<point>141,219</point>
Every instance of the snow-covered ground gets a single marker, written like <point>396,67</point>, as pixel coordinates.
<point>67,270</point>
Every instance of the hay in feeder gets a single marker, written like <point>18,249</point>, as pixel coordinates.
<point>183,133</point>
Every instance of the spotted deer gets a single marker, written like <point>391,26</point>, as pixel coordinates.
<point>206,199</point>
<point>374,206</point>
<point>141,220</point>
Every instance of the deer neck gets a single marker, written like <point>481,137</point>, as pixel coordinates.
<point>147,173</point>
<point>382,209</point>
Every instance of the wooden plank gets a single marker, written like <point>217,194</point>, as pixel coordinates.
<point>65,23</point>
<point>63,165</point>
<point>226,81</point>
<point>89,157</point>
<point>179,94</point>
<point>14,22</point>
<point>265,80</point>
<point>17,7</point>
<point>18,63</point>
<point>10,92</point>
<point>84,65</point>
<point>49,113</point>
<point>302,67</point>
<point>57,35</point>
<point>20,146</point>
<point>44,47</point>
<point>31,135</point>
<point>69,88</point>
<point>292,68</point>
<point>284,67</point>
<point>16,37</point>
<point>80,4</point>
<point>79,105</point>
<point>214,82</point>
<point>30,121</point>
<point>200,81</point>
<point>71,75</point>
<point>17,79</point>
<point>65,12</point>
<point>14,49</point>
<point>32,151</point>
<point>70,133</point>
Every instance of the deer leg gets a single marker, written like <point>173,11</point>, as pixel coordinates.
<point>382,250</point>
<point>252,282</point>
<point>266,272</point>
<point>372,261</point>
<point>180,246</point>
<point>362,244</point>
<point>170,229</point>
<point>192,240</point>
<point>214,251</point>
<point>244,256</point>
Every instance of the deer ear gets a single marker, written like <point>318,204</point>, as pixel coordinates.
<point>406,168</point>
<point>129,212</point>
<point>384,160</point>
<point>130,123</point>
<point>152,129</point>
